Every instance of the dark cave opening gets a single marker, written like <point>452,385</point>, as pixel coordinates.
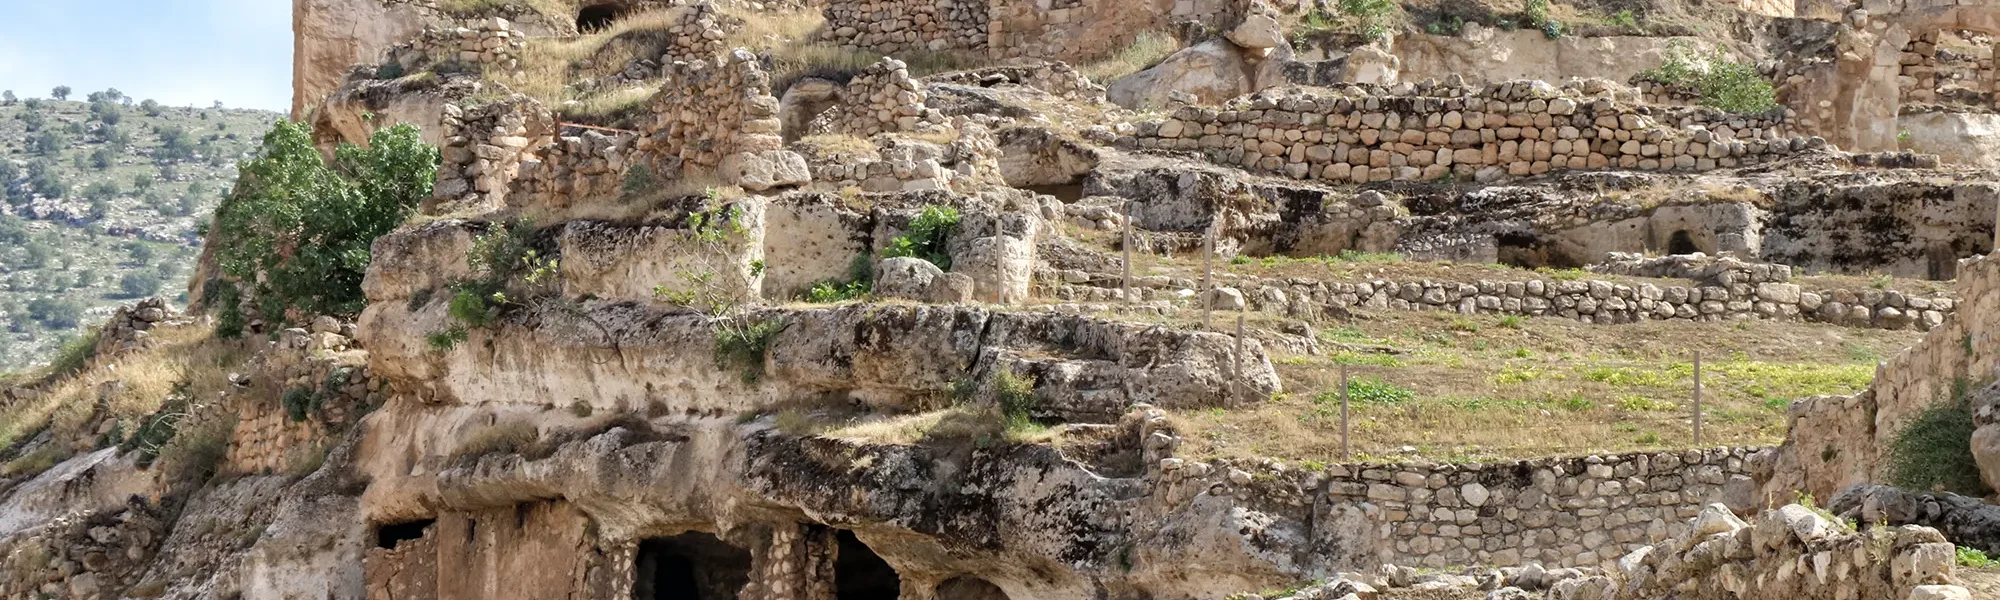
<point>860,574</point>
<point>690,566</point>
<point>597,17</point>
<point>967,587</point>
<point>388,535</point>
<point>1681,243</point>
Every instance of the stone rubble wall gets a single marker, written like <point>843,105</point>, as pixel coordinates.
<point>1368,133</point>
<point>617,262</point>
<point>82,556</point>
<point>699,33</point>
<point>324,362</point>
<point>1833,442</point>
<point>484,45</point>
<point>967,163</point>
<point>1590,301</point>
<point>1574,511</point>
<point>1057,78</point>
<point>1932,74</point>
<point>1698,267</point>
<point>1790,552</point>
<point>720,116</point>
<point>1967,521</point>
<point>1072,30</point>
<point>882,98</point>
<point>908,25</point>
<point>573,169</point>
<point>486,149</point>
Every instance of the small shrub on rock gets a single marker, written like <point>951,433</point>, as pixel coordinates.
<point>1933,451</point>
<point>1721,83</point>
<point>742,343</point>
<point>926,237</point>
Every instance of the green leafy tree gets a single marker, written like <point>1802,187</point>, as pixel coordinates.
<point>152,107</point>
<point>8,98</point>
<point>60,93</point>
<point>103,158</point>
<point>301,229</point>
<point>139,284</point>
<point>48,143</point>
<point>175,143</point>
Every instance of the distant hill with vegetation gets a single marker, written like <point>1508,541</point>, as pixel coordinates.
<point>106,198</point>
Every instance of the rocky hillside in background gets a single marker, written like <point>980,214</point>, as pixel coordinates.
<point>105,202</point>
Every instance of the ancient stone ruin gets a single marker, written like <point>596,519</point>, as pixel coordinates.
<point>990,299</point>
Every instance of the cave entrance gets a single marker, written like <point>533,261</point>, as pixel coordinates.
<point>1943,263</point>
<point>860,574</point>
<point>967,587</point>
<point>690,566</point>
<point>388,536</point>
<point>597,17</point>
<point>1681,243</point>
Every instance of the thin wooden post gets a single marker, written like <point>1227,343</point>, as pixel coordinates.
<point>1126,285</point>
<point>1236,364</point>
<point>1346,451</point>
<point>1697,398</point>
<point>1207,274</point>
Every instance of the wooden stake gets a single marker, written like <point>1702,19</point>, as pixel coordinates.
<point>1236,364</point>
<point>1207,273</point>
<point>1346,451</point>
<point>1126,285</point>
<point>1697,398</point>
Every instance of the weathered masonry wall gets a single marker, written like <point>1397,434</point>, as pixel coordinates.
<point>1553,511</point>
<point>1364,133</point>
<point>1069,30</point>
<point>1590,301</point>
<point>1836,441</point>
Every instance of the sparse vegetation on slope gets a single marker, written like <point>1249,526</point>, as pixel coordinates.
<point>105,201</point>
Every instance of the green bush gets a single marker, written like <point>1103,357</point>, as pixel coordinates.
<point>507,270</point>
<point>1015,395</point>
<point>1375,18</point>
<point>300,229</point>
<point>926,237</point>
<point>300,403</point>
<point>860,282</point>
<point>743,344</point>
<point>1975,558</point>
<point>1721,83</point>
<point>1933,451</point>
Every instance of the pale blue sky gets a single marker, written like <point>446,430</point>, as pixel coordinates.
<point>179,52</point>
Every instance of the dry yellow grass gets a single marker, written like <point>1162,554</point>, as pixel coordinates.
<point>1458,388</point>
<point>549,65</point>
<point>1147,50</point>
<point>131,386</point>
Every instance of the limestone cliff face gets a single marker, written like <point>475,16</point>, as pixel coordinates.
<point>331,36</point>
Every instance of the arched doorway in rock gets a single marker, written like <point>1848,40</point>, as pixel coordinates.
<point>967,587</point>
<point>597,17</point>
<point>861,574</point>
<point>689,566</point>
<point>1681,242</point>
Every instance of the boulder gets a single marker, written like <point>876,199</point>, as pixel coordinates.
<point>1939,592</point>
<point>1966,139</point>
<point>905,277</point>
<point>1258,31</point>
<point>1986,453</point>
<point>1716,518</point>
<point>1225,298</point>
<point>1212,71</point>
<point>761,171</point>
<point>951,288</point>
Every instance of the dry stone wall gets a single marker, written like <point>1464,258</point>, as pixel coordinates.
<point>1833,442</point>
<point>966,163</point>
<point>1003,29</point>
<point>321,384</point>
<point>718,115</point>
<point>880,99</point>
<point>573,169</point>
<point>1362,134</point>
<point>490,45</point>
<point>82,556</point>
<point>1590,301</point>
<point>486,149</point>
<point>1936,69</point>
<point>1571,511</point>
